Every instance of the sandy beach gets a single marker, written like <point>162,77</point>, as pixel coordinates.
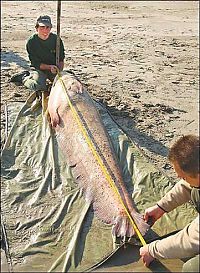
<point>139,58</point>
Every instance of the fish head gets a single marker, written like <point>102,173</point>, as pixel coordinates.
<point>72,86</point>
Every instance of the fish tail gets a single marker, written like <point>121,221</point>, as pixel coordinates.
<point>140,223</point>
<point>123,228</point>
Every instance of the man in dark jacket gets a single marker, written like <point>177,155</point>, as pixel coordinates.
<point>41,48</point>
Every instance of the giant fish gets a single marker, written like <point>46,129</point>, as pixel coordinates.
<point>85,168</point>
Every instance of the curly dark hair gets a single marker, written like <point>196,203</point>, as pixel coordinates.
<point>185,151</point>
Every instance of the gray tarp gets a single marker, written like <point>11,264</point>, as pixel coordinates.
<point>49,225</point>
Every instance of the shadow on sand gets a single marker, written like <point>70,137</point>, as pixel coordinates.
<point>8,58</point>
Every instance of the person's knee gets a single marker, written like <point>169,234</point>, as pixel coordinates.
<point>34,85</point>
<point>36,81</point>
<point>192,265</point>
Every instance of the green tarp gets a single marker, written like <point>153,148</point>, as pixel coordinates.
<point>48,224</point>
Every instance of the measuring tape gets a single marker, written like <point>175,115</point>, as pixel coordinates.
<point>99,160</point>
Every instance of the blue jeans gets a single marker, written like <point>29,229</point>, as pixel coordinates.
<point>36,81</point>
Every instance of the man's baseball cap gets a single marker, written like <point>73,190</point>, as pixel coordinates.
<point>44,20</point>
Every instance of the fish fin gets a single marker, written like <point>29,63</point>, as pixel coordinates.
<point>55,119</point>
<point>116,226</point>
<point>123,228</point>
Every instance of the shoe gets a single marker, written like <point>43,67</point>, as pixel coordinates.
<point>19,76</point>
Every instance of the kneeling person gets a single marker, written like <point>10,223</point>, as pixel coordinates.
<point>184,156</point>
<point>41,48</point>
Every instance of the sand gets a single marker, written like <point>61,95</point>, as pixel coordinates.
<point>139,58</point>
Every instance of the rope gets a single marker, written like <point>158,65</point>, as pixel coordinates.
<point>98,159</point>
<point>58,33</point>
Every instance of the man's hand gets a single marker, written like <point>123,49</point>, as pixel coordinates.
<point>51,67</point>
<point>153,214</point>
<point>146,257</point>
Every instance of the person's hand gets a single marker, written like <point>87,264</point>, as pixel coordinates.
<point>146,257</point>
<point>152,214</point>
<point>53,69</point>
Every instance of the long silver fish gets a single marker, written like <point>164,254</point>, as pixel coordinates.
<point>78,154</point>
